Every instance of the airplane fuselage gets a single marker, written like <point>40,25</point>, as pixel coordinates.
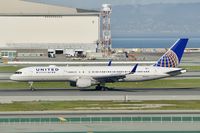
<point>72,73</point>
<point>86,76</point>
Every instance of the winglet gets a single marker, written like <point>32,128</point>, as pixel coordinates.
<point>134,69</point>
<point>110,63</point>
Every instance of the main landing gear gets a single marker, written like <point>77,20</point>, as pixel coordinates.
<point>101,88</point>
<point>31,86</point>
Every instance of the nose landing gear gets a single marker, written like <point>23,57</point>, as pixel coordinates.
<point>31,86</point>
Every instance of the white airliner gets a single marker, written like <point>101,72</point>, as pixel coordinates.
<point>86,76</point>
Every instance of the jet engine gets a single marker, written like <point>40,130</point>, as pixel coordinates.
<point>83,82</point>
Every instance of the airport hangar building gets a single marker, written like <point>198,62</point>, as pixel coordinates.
<point>33,29</point>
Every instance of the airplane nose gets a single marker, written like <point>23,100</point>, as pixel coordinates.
<point>12,77</point>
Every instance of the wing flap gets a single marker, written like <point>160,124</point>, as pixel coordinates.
<point>110,78</point>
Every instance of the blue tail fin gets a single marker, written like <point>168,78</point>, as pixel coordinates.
<point>173,56</point>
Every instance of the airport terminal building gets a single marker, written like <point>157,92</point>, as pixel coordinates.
<point>33,29</point>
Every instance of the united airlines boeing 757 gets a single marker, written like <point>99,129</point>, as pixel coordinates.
<point>86,76</point>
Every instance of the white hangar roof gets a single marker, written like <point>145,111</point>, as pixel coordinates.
<point>22,7</point>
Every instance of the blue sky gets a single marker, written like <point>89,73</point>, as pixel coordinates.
<point>95,4</point>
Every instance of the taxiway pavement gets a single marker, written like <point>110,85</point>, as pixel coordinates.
<point>7,96</point>
<point>110,92</point>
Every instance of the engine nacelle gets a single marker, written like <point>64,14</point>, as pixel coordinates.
<point>83,82</point>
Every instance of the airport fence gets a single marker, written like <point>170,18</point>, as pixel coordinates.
<point>146,119</point>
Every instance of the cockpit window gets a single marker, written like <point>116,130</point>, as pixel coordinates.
<point>18,72</point>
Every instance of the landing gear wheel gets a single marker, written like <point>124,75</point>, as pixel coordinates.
<point>104,88</point>
<point>101,88</point>
<point>32,89</point>
<point>98,87</point>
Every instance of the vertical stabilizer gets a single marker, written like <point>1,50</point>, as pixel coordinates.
<point>173,56</point>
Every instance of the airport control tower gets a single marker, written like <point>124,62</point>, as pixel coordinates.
<point>106,30</point>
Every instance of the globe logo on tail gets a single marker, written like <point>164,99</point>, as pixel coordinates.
<point>170,59</point>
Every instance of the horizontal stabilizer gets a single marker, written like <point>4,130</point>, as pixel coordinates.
<point>176,72</point>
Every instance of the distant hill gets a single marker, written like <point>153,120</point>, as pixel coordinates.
<point>156,20</point>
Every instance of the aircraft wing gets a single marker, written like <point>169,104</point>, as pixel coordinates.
<point>110,78</point>
<point>114,77</point>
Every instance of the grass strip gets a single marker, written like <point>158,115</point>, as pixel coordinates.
<point>163,83</point>
<point>191,68</point>
<point>100,105</point>
<point>10,68</point>
<point>37,85</point>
